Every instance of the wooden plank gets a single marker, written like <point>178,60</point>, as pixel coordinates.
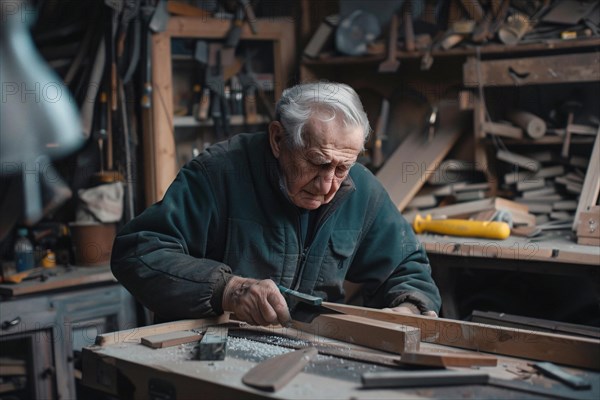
<point>161,165</point>
<point>470,196</point>
<point>533,70</point>
<point>517,321</point>
<point>398,379</point>
<point>517,159</point>
<point>274,373</point>
<point>409,167</point>
<point>443,360</point>
<point>532,194</point>
<point>463,210</point>
<point>380,335</point>
<point>170,339</point>
<point>531,184</point>
<point>217,28</point>
<point>561,349</point>
<point>565,205</point>
<point>504,130</point>
<point>591,184</point>
<point>136,334</point>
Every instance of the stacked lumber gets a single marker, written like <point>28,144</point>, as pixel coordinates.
<point>546,191</point>
<point>549,189</point>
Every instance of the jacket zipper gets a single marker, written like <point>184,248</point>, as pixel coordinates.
<point>302,259</point>
<point>300,264</point>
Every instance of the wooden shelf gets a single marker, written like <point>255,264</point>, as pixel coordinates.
<point>161,148</point>
<point>471,50</point>
<point>545,140</point>
<point>189,121</point>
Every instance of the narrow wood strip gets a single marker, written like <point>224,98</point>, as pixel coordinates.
<point>135,334</point>
<point>170,339</point>
<point>415,160</point>
<point>389,379</point>
<point>447,359</point>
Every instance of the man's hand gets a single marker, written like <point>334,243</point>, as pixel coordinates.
<point>410,308</point>
<point>256,302</point>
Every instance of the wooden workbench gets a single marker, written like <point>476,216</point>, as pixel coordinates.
<point>60,277</point>
<point>554,254</point>
<point>121,366</point>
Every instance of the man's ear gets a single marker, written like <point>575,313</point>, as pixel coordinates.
<point>276,136</point>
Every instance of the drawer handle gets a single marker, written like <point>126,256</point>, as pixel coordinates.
<point>9,324</point>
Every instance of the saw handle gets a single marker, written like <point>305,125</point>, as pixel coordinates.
<point>302,297</point>
<point>461,227</point>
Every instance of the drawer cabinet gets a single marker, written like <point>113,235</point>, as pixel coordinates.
<point>42,335</point>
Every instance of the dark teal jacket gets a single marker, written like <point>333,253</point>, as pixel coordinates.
<point>226,213</point>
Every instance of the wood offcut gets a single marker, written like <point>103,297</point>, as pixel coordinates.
<point>376,334</point>
<point>170,339</point>
<point>274,373</point>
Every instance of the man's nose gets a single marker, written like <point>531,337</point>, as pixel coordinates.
<point>324,181</point>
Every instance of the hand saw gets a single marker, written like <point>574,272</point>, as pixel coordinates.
<point>304,307</point>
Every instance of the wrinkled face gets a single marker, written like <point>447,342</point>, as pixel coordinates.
<point>313,174</point>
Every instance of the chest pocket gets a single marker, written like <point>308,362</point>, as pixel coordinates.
<point>338,257</point>
<point>254,249</point>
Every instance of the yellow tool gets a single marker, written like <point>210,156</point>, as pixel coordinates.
<point>462,227</point>
<point>29,274</point>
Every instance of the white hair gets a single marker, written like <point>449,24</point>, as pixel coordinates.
<point>329,99</point>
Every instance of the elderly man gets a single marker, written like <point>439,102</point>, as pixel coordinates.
<point>288,207</point>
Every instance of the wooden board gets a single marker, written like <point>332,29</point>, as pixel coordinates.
<point>504,130</point>
<point>136,334</point>
<point>532,70</point>
<point>159,144</point>
<point>464,210</point>
<point>443,360</point>
<point>517,159</point>
<point>560,349</point>
<point>381,335</point>
<point>400,379</point>
<point>274,373</point>
<point>518,321</point>
<point>409,167</point>
<point>556,250</point>
<point>170,339</point>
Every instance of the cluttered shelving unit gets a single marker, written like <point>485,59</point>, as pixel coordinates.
<point>448,142</point>
<point>193,70</point>
<point>457,73</point>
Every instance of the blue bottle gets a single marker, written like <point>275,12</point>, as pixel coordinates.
<point>23,252</point>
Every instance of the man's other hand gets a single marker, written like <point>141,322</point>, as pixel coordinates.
<point>409,308</point>
<point>256,302</point>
